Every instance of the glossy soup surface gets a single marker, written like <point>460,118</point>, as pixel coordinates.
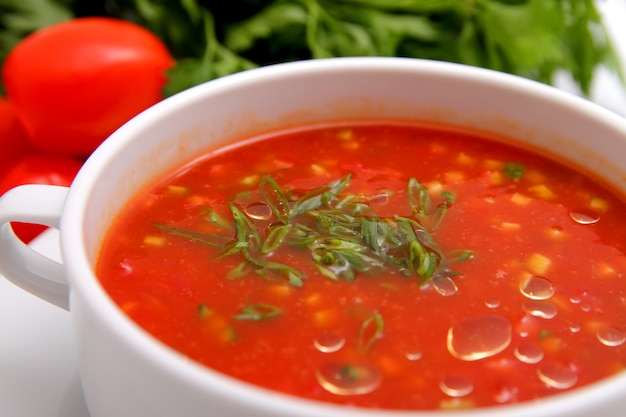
<point>379,265</point>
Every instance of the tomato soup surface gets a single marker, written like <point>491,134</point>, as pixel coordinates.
<point>381,264</point>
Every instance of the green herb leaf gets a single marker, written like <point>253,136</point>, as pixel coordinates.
<point>257,312</point>
<point>332,227</point>
<point>275,198</point>
<point>514,170</point>
<point>319,196</point>
<point>194,235</point>
<point>371,330</point>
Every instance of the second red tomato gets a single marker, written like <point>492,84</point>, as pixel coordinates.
<point>37,169</point>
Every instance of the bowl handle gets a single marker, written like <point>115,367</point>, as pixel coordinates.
<point>20,264</point>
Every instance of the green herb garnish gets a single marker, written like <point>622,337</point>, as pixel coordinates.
<point>258,312</point>
<point>210,39</point>
<point>342,233</point>
<point>371,330</point>
<point>514,170</point>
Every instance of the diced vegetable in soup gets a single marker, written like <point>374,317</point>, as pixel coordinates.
<point>380,264</point>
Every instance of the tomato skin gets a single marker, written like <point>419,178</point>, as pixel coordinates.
<point>38,169</point>
<point>75,82</point>
<point>13,141</point>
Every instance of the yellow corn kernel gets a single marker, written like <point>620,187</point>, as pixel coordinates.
<point>538,264</point>
<point>520,199</point>
<point>154,240</point>
<point>542,191</point>
<point>177,189</point>
<point>313,299</point>
<point>281,290</point>
<point>250,180</point>
<point>494,177</point>
<point>465,159</point>
<point>318,169</point>
<point>598,204</point>
<point>434,188</point>
<point>510,227</point>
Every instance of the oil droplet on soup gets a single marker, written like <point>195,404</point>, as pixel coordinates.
<point>557,375</point>
<point>537,288</point>
<point>479,337</point>
<point>610,336</point>
<point>329,342</point>
<point>379,264</point>
<point>348,379</point>
<point>528,352</point>
<point>456,385</point>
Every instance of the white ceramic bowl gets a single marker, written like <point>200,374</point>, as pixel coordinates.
<point>124,371</point>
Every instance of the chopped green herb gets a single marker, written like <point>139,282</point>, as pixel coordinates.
<point>203,311</point>
<point>211,39</point>
<point>371,330</point>
<point>342,233</point>
<point>258,312</point>
<point>514,170</point>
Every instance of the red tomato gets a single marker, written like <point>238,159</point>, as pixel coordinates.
<point>38,169</point>
<point>75,82</point>
<point>13,142</point>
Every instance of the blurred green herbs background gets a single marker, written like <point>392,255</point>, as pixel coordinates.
<point>213,38</point>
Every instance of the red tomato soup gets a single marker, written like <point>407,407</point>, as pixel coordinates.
<point>379,264</point>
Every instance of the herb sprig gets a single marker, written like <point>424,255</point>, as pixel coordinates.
<point>532,38</point>
<point>342,233</point>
